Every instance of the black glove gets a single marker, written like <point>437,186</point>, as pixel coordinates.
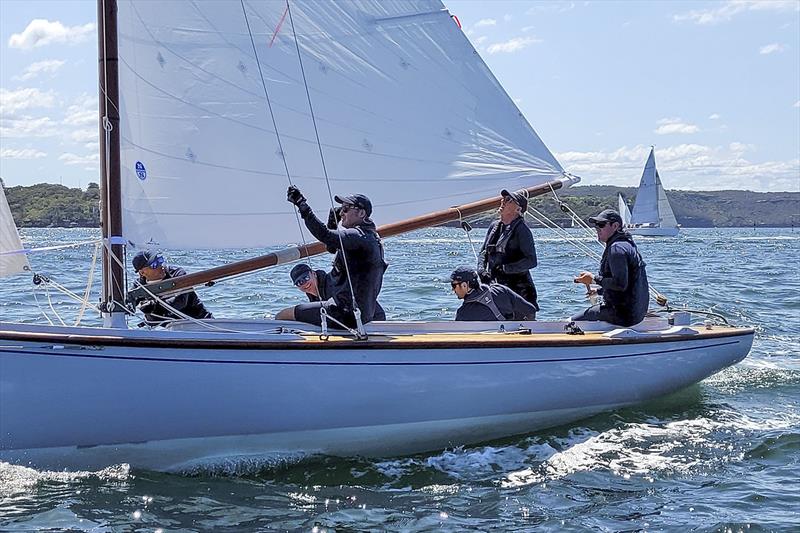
<point>334,217</point>
<point>295,196</point>
<point>484,276</point>
<point>148,306</point>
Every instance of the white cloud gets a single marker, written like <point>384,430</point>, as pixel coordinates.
<point>25,126</point>
<point>685,166</point>
<point>713,116</point>
<point>512,45</point>
<point>24,153</point>
<point>74,159</point>
<point>29,98</point>
<point>737,147</point>
<point>480,40</point>
<point>49,66</point>
<point>796,104</point>
<point>508,18</point>
<point>526,29</point>
<point>41,32</point>
<point>726,11</point>
<point>485,22</point>
<point>771,48</point>
<point>84,112</point>
<point>550,7</point>
<point>667,126</point>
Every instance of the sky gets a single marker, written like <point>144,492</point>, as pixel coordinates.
<point>714,86</point>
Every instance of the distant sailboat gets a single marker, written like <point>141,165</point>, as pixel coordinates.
<point>12,260</point>
<point>652,215</point>
<point>624,212</point>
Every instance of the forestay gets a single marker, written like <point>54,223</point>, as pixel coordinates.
<point>12,258</point>
<point>652,206</point>
<point>406,110</point>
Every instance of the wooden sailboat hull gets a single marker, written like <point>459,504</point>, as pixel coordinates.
<point>178,401</point>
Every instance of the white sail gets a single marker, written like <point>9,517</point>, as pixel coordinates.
<point>624,212</point>
<point>652,207</point>
<point>406,110</point>
<point>667,217</point>
<point>12,260</point>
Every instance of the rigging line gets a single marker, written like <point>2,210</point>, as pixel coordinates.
<point>39,306</point>
<point>464,226</point>
<point>89,283</point>
<point>356,310</point>
<point>272,116</point>
<point>50,303</point>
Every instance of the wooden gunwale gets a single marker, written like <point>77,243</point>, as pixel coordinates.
<point>380,342</point>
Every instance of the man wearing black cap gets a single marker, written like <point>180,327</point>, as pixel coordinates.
<point>151,268</point>
<point>487,302</point>
<point>622,277</point>
<point>508,251</point>
<point>358,262</point>
<point>315,285</point>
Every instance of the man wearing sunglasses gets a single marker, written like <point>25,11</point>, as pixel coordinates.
<point>508,251</point>
<point>487,302</point>
<point>314,283</point>
<point>150,267</point>
<point>358,263</point>
<point>622,277</point>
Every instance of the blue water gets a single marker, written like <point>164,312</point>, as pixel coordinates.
<point>720,456</point>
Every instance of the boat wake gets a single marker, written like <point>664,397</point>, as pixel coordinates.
<point>241,465</point>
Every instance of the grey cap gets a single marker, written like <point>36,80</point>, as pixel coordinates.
<point>607,215</point>
<point>519,197</point>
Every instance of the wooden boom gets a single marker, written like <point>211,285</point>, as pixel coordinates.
<point>179,284</point>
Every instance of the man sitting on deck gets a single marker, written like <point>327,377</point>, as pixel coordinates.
<point>622,277</point>
<point>358,265</point>
<point>487,302</point>
<point>151,268</point>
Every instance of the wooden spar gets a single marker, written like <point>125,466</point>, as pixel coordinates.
<point>110,187</point>
<point>174,285</point>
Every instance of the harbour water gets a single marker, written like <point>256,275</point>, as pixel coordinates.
<point>723,455</point>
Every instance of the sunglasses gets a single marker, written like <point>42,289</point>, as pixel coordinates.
<point>302,280</point>
<point>455,284</point>
<point>601,224</point>
<point>348,207</point>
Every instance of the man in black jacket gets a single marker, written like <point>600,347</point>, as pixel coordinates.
<point>622,276</point>
<point>151,268</point>
<point>358,262</point>
<point>315,285</point>
<point>487,302</point>
<point>508,251</point>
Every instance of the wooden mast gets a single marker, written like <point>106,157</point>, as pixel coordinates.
<point>110,187</point>
<point>450,214</point>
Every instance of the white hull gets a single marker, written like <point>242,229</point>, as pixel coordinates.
<point>89,405</point>
<point>654,232</point>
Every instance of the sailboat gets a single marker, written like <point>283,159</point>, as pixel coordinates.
<point>12,260</point>
<point>209,110</point>
<point>652,215</point>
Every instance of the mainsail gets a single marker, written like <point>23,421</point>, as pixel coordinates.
<point>12,258</point>
<point>405,110</point>
<point>652,206</point>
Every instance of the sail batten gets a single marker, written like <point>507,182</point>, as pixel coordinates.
<point>406,110</point>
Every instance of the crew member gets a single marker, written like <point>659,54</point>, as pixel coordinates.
<point>150,267</point>
<point>508,252</point>
<point>487,302</point>
<point>314,283</point>
<point>622,277</point>
<point>358,265</point>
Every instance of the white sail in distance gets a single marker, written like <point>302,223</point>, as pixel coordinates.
<point>406,112</point>
<point>12,258</point>
<point>624,212</point>
<point>651,206</point>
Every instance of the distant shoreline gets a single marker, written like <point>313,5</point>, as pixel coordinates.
<point>54,206</point>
